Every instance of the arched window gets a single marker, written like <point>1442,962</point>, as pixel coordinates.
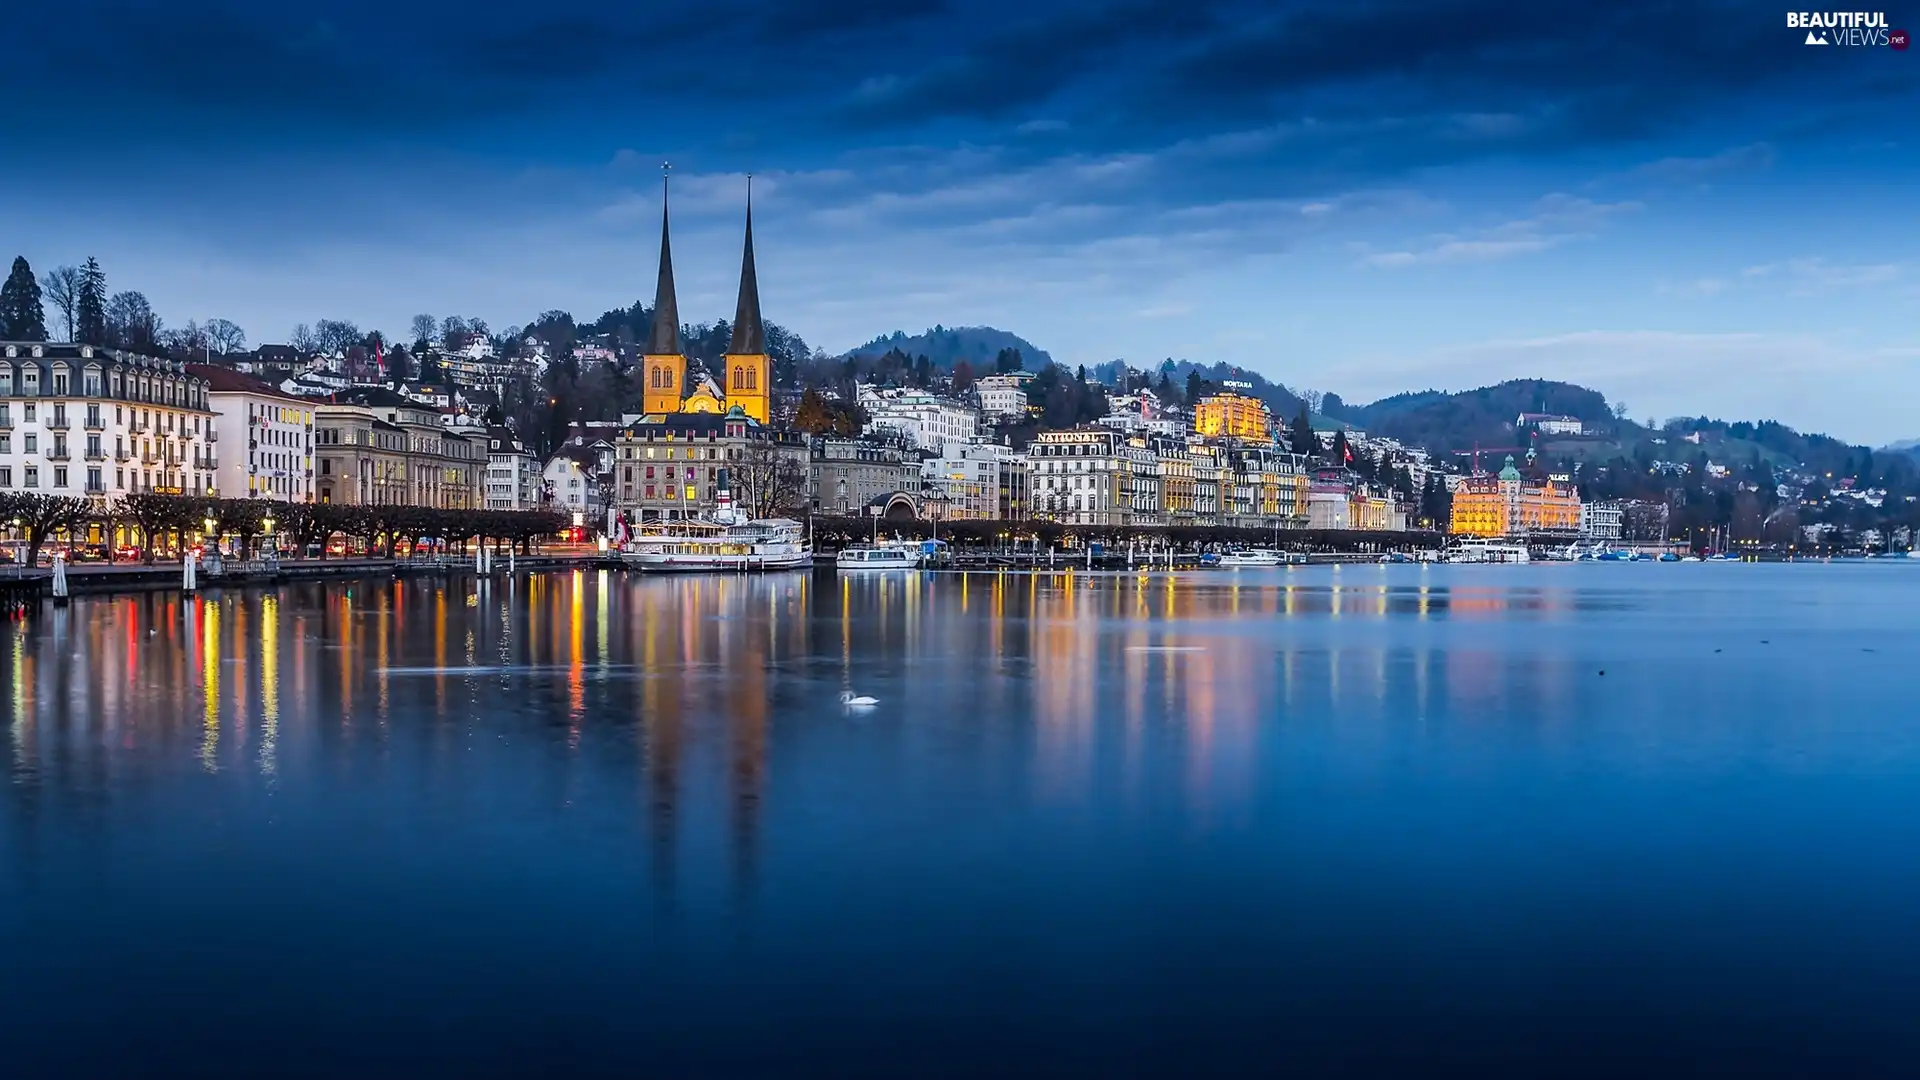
<point>666,378</point>
<point>739,378</point>
<point>653,379</point>
<point>753,379</point>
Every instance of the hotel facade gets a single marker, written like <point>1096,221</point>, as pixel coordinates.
<point>85,421</point>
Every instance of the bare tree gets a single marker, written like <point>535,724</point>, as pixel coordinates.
<point>424,327</point>
<point>304,339</point>
<point>131,323</point>
<point>187,341</point>
<point>335,335</point>
<point>478,328</point>
<point>62,286</point>
<point>1619,410</point>
<point>225,336</point>
<point>769,480</point>
<point>453,333</point>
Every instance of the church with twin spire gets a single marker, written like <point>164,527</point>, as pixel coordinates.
<point>745,380</point>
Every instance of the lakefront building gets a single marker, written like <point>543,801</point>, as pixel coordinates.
<point>1508,504</point>
<point>373,447</point>
<point>80,420</point>
<point>846,475</point>
<point>268,437</point>
<point>1081,477</point>
<point>667,467</point>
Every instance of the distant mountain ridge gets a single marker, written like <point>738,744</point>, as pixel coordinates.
<point>945,346</point>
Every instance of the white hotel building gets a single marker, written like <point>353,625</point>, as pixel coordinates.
<point>81,420</point>
<point>268,434</point>
<point>926,421</point>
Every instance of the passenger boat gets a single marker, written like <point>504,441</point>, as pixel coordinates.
<point>1487,551</point>
<point>871,558</point>
<point>1251,557</point>
<point>727,543</point>
<point>715,547</point>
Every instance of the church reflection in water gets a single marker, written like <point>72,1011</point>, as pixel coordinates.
<point>695,723</point>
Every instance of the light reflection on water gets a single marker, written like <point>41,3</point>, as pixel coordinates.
<point>1301,801</point>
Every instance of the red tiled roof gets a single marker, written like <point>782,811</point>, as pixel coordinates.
<point>226,380</point>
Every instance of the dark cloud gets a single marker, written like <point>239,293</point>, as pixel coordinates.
<point>788,23</point>
<point>1392,84</point>
<point>1028,62</point>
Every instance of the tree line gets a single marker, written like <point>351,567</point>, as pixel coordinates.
<point>89,314</point>
<point>41,517</point>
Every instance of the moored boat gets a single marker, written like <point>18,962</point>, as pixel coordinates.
<point>726,543</point>
<point>1250,557</point>
<point>866,558</point>
<point>1487,551</point>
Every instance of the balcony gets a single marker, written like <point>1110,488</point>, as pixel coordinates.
<point>96,455</point>
<point>96,489</point>
<point>122,455</point>
<point>57,422</point>
<point>94,423</point>
<point>213,435</point>
<point>6,421</point>
<point>149,459</point>
<point>59,453</point>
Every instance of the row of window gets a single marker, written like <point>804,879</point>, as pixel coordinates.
<point>95,479</point>
<point>160,391</point>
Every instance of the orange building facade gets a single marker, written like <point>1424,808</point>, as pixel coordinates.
<point>1233,416</point>
<point>1507,504</point>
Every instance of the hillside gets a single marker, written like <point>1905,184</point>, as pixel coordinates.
<point>1449,422</point>
<point>945,346</point>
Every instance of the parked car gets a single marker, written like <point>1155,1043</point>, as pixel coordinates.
<point>128,553</point>
<point>91,553</point>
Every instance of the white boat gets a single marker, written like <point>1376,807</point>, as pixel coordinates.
<point>870,559</point>
<point>724,544</point>
<point>696,547</point>
<point>1251,557</point>
<point>1487,551</point>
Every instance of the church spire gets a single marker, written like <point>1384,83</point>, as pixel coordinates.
<point>749,333</point>
<point>664,337</point>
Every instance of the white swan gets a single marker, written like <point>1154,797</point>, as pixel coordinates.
<point>848,698</point>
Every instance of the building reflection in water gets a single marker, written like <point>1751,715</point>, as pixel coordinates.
<point>714,701</point>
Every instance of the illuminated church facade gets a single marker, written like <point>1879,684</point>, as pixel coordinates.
<point>745,380</point>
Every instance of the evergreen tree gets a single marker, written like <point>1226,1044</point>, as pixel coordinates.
<point>22,318</point>
<point>1300,437</point>
<point>1196,388</point>
<point>90,312</point>
<point>1164,389</point>
<point>1340,453</point>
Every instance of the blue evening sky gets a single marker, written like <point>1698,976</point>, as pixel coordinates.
<point>1679,204</point>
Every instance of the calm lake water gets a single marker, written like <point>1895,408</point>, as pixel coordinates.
<point>1548,820</point>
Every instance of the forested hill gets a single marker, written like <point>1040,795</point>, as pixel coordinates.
<point>1440,421</point>
<point>945,346</point>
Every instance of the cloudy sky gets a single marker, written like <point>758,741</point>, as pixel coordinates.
<point>1679,204</point>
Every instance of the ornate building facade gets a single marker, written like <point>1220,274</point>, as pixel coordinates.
<point>1508,504</point>
<point>87,421</point>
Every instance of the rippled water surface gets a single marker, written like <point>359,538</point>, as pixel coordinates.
<point>1607,820</point>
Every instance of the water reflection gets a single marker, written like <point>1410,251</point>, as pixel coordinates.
<point>666,763</point>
